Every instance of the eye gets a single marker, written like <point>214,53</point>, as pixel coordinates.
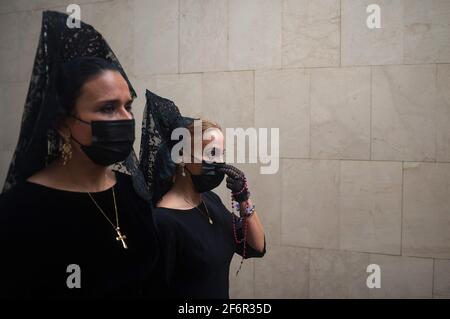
<point>129,108</point>
<point>107,108</point>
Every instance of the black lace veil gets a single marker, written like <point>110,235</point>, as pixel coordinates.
<point>39,143</point>
<point>161,117</point>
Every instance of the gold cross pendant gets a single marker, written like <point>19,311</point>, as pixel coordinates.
<point>121,238</point>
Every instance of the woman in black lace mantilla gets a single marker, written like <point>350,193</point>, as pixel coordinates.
<point>75,219</point>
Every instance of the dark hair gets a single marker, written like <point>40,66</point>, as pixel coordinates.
<point>70,79</point>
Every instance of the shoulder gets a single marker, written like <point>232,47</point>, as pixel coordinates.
<point>124,182</point>
<point>19,194</point>
<point>121,175</point>
<point>211,195</point>
<point>213,198</point>
<point>122,178</point>
<point>217,207</point>
<point>20,203</point>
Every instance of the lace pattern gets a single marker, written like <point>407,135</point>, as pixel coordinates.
<point>161,117</point>
<point>38,144</point>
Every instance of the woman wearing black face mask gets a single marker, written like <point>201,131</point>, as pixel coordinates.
<point>199,235</point>
<point>71,225</point>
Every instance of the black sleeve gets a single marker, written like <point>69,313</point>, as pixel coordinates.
<point>250,252</point>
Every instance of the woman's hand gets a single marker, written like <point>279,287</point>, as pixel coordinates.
<point>236,182</point>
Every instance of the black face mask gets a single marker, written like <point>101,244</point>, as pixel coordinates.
<point>209,179</point>
<point>112,141</point>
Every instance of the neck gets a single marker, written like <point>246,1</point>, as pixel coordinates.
<point>82,174</point>
<point>184,188</point>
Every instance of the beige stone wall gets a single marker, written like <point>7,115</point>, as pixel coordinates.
<point>364,118</point>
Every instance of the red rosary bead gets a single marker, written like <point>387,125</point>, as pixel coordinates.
<point>244,239</point>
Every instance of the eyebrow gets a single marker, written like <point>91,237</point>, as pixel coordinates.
<point>114,101</point>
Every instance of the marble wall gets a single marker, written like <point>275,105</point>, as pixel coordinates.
<point>363,114</point>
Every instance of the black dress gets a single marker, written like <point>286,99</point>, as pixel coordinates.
<point>44,230</point>
<point>197,254</point>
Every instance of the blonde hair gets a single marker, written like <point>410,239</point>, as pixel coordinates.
<point>206,124</point>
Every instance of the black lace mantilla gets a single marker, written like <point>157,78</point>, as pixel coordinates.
<point>161,117</point>
<point>38,142</point>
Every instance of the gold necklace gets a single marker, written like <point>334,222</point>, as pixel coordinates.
<point>207,211</point>
<point>119,237</point>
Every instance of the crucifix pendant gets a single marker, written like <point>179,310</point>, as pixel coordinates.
<point>121,238</point>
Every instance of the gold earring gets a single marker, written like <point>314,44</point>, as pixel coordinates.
<point>66,151</point>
